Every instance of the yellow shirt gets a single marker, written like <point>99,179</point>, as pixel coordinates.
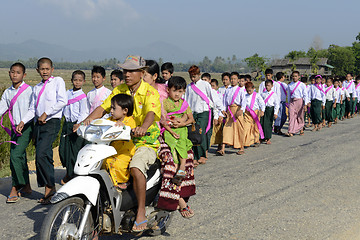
<point>146,99</point>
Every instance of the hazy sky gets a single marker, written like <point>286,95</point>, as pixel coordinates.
<point>202,27</point>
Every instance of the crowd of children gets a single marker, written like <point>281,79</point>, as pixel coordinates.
<point>232,115</point>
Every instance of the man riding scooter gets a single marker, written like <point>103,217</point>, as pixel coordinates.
<point>147,110</point>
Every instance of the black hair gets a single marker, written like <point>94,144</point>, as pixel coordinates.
<point>269,81</point>
<point>124,101</point>
<point>177,82</point>
<point>77,72</point>
<point>118,73</point>
<point>357,77</point>
<point>331,79</point>
<point>312,77</point>
<point>342,78</point>
<point>241,76</point>
<point>298,73</point>
<point>208,75</point>
<point>235,74</point>
<point>303,79</point>
<point>279,75</point>
<point>152,68</point>
<point>269,71</point>
<point>18,64</point>
<point>225,74</point>
<point>44,60</point>
<point>351,74</point>
<point>215,81</point>
<point>168,66</point>
<point>98,69</point>
<point>248,76</point>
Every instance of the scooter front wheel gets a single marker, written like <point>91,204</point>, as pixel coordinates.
<point>63,221</point>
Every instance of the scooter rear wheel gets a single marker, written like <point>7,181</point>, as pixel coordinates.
<point>63,220</point>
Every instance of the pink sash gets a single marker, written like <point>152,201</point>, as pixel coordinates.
<point>347,88</point>
<point>232,102</point>
<point>42,90</point>
<point>292,92</point>
<point>337,88</point>
<point>283,88</point>
<point>356,87</point>
<point>97,99</point>
<point>203,96</point>
<point>318,87</point>
<point>254,115</point>
<point>76,99</point>
<point>327,90</point>
<point>12,103</point>
<point>268,97</point>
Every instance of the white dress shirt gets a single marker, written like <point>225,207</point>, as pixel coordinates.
<point>274,100</point>
<point>77,111</point>
<point>239,99</point>
<point>349,85</point>
<point>346,93</point>
<point>223,89</point>
<point>91,97</point>
<point>196,103</point>
<point>274,88</point>
<point>259,103</point>
<point>51,102</point>
<point>22,104</point>
<point>338,94</point>
<point>316,93</point>
<point>300,91</point>
<point>282,92</point>
<point>330,94</point>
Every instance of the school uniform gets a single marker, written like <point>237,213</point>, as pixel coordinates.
<point>51,101</point>
<point>345,95</point>
<point>307,113</point>
<point>317,97</point>
<point>217,130</point>
<point>18,161</point>
<point>282,94</point>
<point>252,126</point>
<point>215,112</point>
<point>233,131</point>
<point>274,88</point>
<point>272,105</point>
<point>74,112</point>
<point>200,109</point>
<point>338,94</point>
<point>357,98</point>
<point>222,90</point>
<point>349,104</point>
<point>96,97</point>
<point>329,105</point>
<point>297,98</point>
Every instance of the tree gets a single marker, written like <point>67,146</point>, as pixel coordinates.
<point>342,58</point>
<point>205,65</point>
<point>257,63</point>
<point>356,51</point>
<point>294,55</point>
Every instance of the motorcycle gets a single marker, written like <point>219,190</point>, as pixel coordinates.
<point>89,204</point>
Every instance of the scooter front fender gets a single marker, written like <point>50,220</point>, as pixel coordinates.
<point>80,185</point>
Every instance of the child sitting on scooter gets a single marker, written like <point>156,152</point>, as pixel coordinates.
<point>122,107</point>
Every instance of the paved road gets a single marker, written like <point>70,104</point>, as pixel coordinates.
<point>304,187</point>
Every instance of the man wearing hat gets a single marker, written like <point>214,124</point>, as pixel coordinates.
<point>147,111</point>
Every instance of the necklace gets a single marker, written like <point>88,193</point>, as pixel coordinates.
<point>133,91</point>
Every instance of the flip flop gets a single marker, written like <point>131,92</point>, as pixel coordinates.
<point>220,153</point>
<point>240,152</point>
<point>137,224</point>
<point>187,209</point>
<point>12,199</point>
<point>46,200</point>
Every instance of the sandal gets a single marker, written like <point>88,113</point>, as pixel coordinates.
<point>268,142</point>
<point>288,134</point>
<point>257,144</point>
<point>137,224</point>
<point>220,153</point>
<point>12,199</point>
<point>302,133</point>
<point>240,152</point>
<point>187,212</point>
<point>45,200</point>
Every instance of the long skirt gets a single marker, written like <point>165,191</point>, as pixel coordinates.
<point>267,122</point>
<point>316,111</point>
<point>170,193</point>
<point>296,115</point>
<point>250,129</point>
<point>329,109</point>
<point>233,132</point>
<point>348,104</point>
<point>201,119</point>
<point>281,119</point>
<point>342,110</point>
<point>217,134</point>
<point>69,147</point>
<point>353,104</point>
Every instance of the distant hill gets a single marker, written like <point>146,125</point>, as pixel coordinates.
<point>34,48</point>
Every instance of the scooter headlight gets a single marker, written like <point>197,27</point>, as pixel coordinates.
<point>93,132</point>
<point>112,135</point>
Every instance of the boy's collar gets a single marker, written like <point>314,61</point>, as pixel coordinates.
<point>22,83</point>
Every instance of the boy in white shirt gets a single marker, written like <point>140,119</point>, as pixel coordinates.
<point>282,94</point>
<point>16,101</point>
<point>200,96</point>
<point>49,98</point>
<point>74,112</point>
<point>331,100</point>
<point>338,96</point>
<point>272,105</point>
<point>225,78</point>
<point>346,98</point>
<point>97,95</point>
